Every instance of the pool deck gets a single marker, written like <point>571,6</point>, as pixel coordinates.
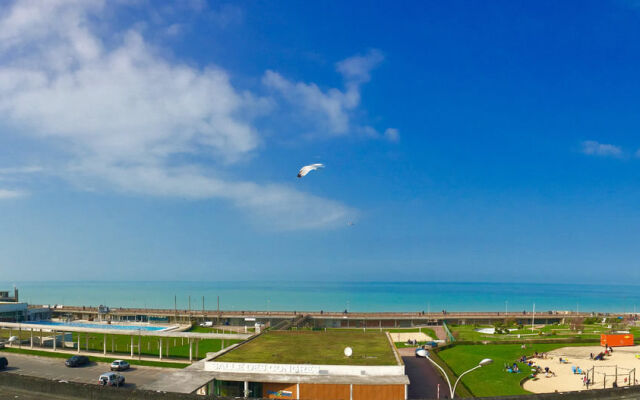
<point>172,334</point>
<point>115,326</point>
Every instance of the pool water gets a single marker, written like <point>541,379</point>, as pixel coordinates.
<point>100,326</point>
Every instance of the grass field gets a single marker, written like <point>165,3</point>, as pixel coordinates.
<point>492,380</point>
<point>468,333</point>
<point>92,358</point>
<point>178,347</point>
<point>24,334</point>
<point>204,329</point>
<point>315,347</point>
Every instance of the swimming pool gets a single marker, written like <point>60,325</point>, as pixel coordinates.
<point>99,326</point>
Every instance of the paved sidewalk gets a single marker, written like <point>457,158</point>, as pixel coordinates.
<point>440,332</point>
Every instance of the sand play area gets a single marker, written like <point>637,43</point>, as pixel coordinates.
<point>406,336</point>
<point>624,358</point>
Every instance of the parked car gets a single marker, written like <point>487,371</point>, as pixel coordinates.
<point>3,362</point>
<point>111,379</point>
<point>77,361</point>
<point>422,352</point>
<point>119,365</point>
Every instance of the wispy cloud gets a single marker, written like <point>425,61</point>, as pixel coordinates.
<point>591,147</point>
<point>330,111</point>
<point>123,115</point>
<point>28,169</point>
<point>356,70</point>
<point>11,194</point>
<point>392,134</point>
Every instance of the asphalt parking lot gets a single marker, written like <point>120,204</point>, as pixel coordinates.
<point>54,368</point>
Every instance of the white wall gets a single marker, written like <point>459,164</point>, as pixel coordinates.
<point>304,369</point>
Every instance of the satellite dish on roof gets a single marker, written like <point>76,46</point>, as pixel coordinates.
<point>348,351</point>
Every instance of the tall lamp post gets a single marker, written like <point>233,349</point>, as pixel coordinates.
<point>482,363</point>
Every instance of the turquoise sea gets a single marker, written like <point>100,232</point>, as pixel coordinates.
<point>333,296</point>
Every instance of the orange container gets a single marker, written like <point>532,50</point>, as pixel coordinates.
<point>616,340</point>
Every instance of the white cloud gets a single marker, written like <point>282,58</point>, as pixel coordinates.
<point>277,205</point>
<point>174,29</point>
<point>329,111</point>
<point>591,147</point>
<point>123,114</point>
<point>11,194</point>
<point>29,169</point>
<point>357,69</point>
<point>392,134</point>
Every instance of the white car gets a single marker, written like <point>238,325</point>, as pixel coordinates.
<point>420,352</point>
<point>119,365</point>
<point>111,379</point>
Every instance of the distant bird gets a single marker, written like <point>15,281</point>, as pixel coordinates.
<point>308,168</point>
<point>351,223</point>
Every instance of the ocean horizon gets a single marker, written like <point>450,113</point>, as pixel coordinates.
<point>334,296</point>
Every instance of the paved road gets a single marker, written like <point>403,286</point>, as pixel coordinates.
<point>54,368</point>
<point>423,377</point>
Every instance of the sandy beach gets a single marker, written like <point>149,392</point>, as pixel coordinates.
<point>565,380</point>
<point>406,336</point>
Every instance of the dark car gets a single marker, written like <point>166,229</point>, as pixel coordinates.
<point>3,362</point>
<point>77,361</point>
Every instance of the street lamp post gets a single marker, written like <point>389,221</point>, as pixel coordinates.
<point>482,363</point>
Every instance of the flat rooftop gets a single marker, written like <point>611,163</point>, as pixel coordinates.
<point>314,347</point>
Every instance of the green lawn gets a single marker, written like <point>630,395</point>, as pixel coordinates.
<point>178,347</point>
<point>468,333</point>
<point>24,334</point>
<point>203,329</point>
<point>492,380</point>
<point>315,347</point>
<point>92,358</point>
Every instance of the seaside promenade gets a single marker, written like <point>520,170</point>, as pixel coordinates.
<point>320,318</point>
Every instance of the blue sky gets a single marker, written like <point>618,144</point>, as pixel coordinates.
<point>465,141</point>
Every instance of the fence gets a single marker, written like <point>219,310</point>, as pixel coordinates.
<point>449,334</point>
